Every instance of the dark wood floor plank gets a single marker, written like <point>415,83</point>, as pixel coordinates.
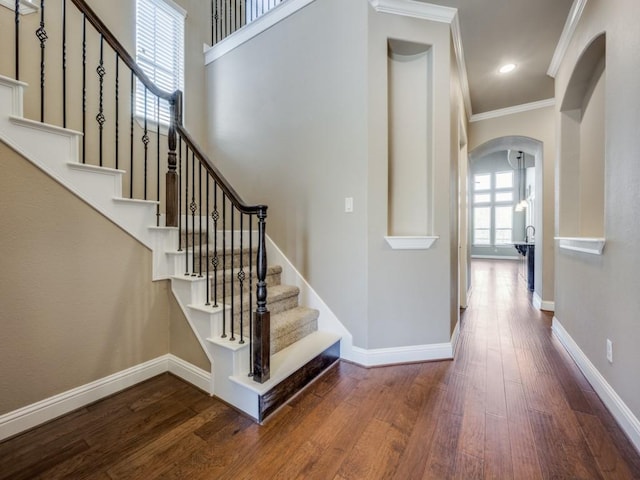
<point>512,404</point>
<point>468,467</point>
<point>617,436</point>
<point>553,460</point>
<point>441,460</point>
<point>472,434</point>
<point>610,462</point>
<point>413,459</point>
<point>524,458</point>
<point>497,452</point>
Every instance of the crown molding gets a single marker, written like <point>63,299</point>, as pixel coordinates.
<point>411,8</point>
<point>525,107</point>
<point>567,34</point>
<point>462,65</point>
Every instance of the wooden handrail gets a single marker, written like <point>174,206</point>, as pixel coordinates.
<point>120,50</point>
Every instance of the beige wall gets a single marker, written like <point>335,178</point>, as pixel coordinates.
<point>71,313</point>
<point>299,122</point>
<point>78,302</point>
<point>287,117</point>
<point>537,124</point>
<point>597,296</point>
<point>411,292</point>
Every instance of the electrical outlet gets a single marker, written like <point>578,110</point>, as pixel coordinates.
<point>609,351</point>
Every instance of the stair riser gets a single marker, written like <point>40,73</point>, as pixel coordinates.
<point>198,238</point>
<point>281,342</point>
<point>225,261</point>
<point>274,307</point>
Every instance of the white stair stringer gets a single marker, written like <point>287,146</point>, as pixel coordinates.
<point>55,150</point>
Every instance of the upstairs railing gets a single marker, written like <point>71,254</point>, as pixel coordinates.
<point>87,82</point>
<point>228,16</point>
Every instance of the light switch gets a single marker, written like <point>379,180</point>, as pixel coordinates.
<point>348,205</point>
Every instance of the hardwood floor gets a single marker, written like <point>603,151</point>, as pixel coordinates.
<point>511,405</point>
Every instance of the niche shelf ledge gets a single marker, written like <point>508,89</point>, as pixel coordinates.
<point>411,242</point>
<point>593,246</point>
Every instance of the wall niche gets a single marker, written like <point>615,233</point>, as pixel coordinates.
<point>410,132</point>
<point>582,153</point>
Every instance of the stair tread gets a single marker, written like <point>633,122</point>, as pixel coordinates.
<point>289,359</point>
<point>290,320</point>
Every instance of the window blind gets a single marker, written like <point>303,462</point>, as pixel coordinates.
<point>160,54</point>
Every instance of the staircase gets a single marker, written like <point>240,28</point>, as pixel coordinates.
<point>299,351</point>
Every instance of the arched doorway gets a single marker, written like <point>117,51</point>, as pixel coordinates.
<point>534,148</point>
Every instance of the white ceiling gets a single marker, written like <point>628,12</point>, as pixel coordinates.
<point>495,32</point>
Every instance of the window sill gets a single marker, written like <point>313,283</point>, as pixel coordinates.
<point>593,246</point>
<point>411,242</point>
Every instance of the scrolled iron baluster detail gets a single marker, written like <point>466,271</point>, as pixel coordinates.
<point>100,118</point>
<point>215,215</point>
<point>145,140</point>
<point>262,319</point>
<point>41,33</point>
<point>241,276</point>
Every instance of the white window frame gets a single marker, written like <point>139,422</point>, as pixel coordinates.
<point>492,191</point>
<point>148,32</point>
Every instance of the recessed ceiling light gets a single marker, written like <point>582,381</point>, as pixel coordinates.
<point>509,67</point>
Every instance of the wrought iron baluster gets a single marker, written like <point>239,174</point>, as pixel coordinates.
<point>224,263</point>
<point>179,194</point>
<point>206,219</point>
<point>17,38</point>
<point>213,15</point>
<point>117,113</point>
<point>100,118</point>
<point>84,87</point>
<point>41,33</point>
<point>193,207</point>
<point>250,295</point>
<point>200,221</point>
<point>64,63</point>
<point>215,215</point>
<point>158,161</point>
<point>145,141</point>
<point>232,282</point>
<point>241,276</point>
<point>186,210</point>
<point>132,113</point>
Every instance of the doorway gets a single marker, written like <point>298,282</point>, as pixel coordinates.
<point>495,226</point>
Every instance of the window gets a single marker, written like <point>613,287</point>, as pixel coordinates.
<point>160,54</point>
<point>493,208</point>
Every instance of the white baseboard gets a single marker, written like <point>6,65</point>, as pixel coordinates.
<point>190,373</point>
<point>389,356</point>
<point>540,304</point>
<point>24,418</point>
<point>623,415</point>
<point>454,338</point>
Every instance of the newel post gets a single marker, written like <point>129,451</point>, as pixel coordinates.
<point>172,180</point>
<point>262,320</point>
